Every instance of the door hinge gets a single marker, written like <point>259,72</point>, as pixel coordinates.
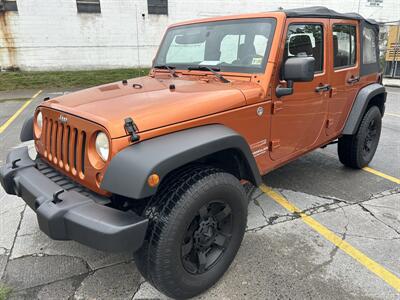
<point>274,144</point>
<point>277,106</point>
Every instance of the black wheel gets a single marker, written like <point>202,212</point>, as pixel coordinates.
<point>196,225</point>
<point>356,151</point>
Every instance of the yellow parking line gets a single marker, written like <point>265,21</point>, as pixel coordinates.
<point>371,265</point>
<point>14,116</point>
<point>383,175</point>
<point>375,172</point>
<point>393,115</point>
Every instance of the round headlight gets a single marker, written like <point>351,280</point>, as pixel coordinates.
<point>102,145</point>
<point>39,120</point>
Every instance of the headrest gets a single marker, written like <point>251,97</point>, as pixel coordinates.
<point>300,44</point>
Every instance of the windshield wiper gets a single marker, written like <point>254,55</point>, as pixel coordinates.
<point>212,70</point>
<point>166,67</point>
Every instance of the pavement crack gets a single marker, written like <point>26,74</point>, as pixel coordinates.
<point>262,210</point>
<point>276,219</point>
<point>368,237</point>
<point>15,238</point>
<point>386,193</point>
<point>332,253</point>
<point>376,218</point>
<point>336,200</point>
<point>138,288</point>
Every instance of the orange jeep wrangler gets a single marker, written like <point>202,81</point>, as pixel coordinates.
<point>156,165</point>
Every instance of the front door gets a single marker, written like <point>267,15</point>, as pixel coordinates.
<point>345,69</point>
<point>298,120</point>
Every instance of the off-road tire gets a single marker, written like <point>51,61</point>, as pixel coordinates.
<point>171,214</point>
<point>352,149</point>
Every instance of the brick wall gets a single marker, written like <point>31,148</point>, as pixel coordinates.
<point>51,35</point>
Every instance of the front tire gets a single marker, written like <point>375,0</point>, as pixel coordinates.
<point>356,151</point>
<point>196,225</point>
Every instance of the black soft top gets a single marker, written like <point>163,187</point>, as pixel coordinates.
<point>324,12</point>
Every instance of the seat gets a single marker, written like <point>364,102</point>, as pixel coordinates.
<point>246,53</point>
<point>300,45</point>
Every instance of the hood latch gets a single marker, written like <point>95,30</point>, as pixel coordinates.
<point>132,129</point>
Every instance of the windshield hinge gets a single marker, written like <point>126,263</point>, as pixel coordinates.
<point>132,129</point>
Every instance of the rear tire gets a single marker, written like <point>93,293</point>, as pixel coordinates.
<point>356,151</point>
<point>196,225</point>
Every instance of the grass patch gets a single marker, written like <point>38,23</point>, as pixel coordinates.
<point>64,79</point>
<point>4,292</point>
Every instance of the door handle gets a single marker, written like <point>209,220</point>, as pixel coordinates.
<point>323,88</point>
<point>353,79</point>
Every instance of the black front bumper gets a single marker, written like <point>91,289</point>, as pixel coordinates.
<point>67,214</point>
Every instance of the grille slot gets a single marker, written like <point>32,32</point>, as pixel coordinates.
<point>65,146</point>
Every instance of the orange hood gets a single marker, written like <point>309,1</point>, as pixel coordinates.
<point>154,103</point>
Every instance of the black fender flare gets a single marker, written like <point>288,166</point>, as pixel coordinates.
<point>360,106</point>
<point>129,169</point>
<point>27,130</point>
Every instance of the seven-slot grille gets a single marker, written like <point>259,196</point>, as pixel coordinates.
<point>64,145</point>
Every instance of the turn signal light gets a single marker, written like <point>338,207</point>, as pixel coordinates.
<point>153,180</point>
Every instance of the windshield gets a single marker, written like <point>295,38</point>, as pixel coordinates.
<point>232,46</point>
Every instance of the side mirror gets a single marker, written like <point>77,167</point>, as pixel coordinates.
<point>296,69</point>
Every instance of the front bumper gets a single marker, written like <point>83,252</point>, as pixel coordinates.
<point>67,214</point>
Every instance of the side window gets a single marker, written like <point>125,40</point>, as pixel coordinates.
<point>306,39</point>
<point>344,45</point>
<point>369,46</point>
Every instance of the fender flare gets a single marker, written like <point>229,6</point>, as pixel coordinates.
<point>27,130</point>
<point>360,106</point>
<point>129,169</point>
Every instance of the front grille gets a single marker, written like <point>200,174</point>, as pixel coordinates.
<point>65,146</point>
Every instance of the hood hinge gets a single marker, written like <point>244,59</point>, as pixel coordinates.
<point>131,129</point>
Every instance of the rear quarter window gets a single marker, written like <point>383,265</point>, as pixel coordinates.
<point>369,46</point>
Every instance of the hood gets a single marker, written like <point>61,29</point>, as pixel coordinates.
<point>154,102</point>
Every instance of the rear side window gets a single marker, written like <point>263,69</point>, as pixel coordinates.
<point>369,46</point>
<point>306,40</point>
<point>344,45</point>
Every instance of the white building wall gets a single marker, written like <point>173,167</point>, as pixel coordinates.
<point>51,35</point>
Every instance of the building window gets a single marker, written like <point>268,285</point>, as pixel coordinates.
<point>88,6</point>
<point>344,45</point>
<point>157,7</point>
<point>8,5</point>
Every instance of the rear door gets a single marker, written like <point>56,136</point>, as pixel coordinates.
<point>344,68</point>
<point>298,120</point>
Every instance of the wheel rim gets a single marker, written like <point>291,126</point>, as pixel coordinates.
<point>207,237</point>
<point>370,138</point>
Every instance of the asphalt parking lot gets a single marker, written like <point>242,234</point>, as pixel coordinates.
<point>315,230</point>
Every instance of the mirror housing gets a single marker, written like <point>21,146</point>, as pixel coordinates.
<point>296,69</point>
